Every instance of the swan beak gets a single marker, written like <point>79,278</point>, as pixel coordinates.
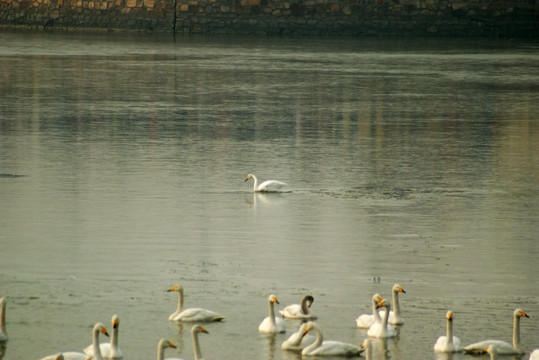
<point>305,331</point>
<point>275,301</point>
<point>174,288</point>
<point>171,345</point>
<point>402,290</point>
<point>104,331</point>
<point>362,344</point>
<point>115,324</point>
<point>523,314</point>
<point>247,178</point>
<point>450,317</point>
<point>203,330</point>
<point>380,302</point>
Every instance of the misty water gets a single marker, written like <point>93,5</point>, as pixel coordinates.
<point>122,160</point>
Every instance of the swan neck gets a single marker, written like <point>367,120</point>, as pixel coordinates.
<point>3,317</point>
<point>304,309</point>
<point>114,337</point>
<point>449,332</point>
<point>516,333</point>
<point>196,346</point>
<point>95,344</point>
<point>317,342</point>
<point>385,319</point>
<point>180,301</point>
<point>375,313</point>
<point>255,182</point>
<point>161,351</point>
<point>396,306</point>
<point>271,312</point>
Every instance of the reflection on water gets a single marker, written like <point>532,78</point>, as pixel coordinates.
<point>122,163</point>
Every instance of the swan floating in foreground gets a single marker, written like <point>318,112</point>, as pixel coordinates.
<point>272,324</point>
<point>383,329</point>
<point>502,347</point>
<point>266,186</point>
<point>534,355</point>
<point>365,321</point>
<point>301,310</point>
<point>298,340</point>
<point>75,355</point>
<point>328,347</point>
<point>3,333</point>
<point>195,330</point>
<point>191,314</point>
<point>161,346</point>
<point>448,343</point>
<point>109,350</point>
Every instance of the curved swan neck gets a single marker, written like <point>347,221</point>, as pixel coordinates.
<point>255,184</point>
<point>375,313</point>
<point>317,342</point>
<point>161,350</point>
<point>95,342</point>
<point>304,307</point>
<point>196,345</point>
<point>516,332</point>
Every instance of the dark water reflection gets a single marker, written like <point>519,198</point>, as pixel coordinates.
<point>122,166</point>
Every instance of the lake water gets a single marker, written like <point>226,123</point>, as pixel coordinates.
<point>122,160</point>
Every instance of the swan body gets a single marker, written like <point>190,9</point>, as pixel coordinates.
<point>109,350</point>
<point>501,347</point>
<point>365,321</point>
<point>534,355</point>
<point>300,311</point>
<point>191,314</point>
<point>383,329</point>
<point>298,340</point>
<point>75,355</point>
<point>161,346</point>
<point>58,356</point>
<point>266,186</point>
<point>3,333</point>
<point>328,347</point>
<point>448,343</point>
<point>272,324</point>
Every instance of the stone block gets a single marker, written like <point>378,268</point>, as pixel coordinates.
<point>131,3</point>
<point>149,4</point>
<point>254,2</point>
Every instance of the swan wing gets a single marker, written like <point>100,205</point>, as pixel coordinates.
<point>336,348</point>
<point>197,314</point>
<point>501,347</point>
<point>365,321</point>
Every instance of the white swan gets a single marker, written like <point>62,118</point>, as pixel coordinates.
<point>298,340</point>
<point>75,355</point>
<point>383,329</point>
<point>266,186</point>
<point>300,311</point>
<point>328,347</point>
<point>161,346</point>
<point>365,321</point>
<point>395,315</point>
<point>502,347</point>
<point>58,356</point>
<point>534,355</point>
<point>367,345</point>
<point>191,314</point>
<point>195,330</point>
<point>272,324</point>
<point>109,350</point>
<point>3,333</point>
<point>448,343</point>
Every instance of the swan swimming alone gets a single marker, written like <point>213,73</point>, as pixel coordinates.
<point>3,333</point>
<point>448,343</point>
<point>300,311</point>
<point>298,340</point>
<point>75,355</point>
<point>383,329</point>
<point>161,346</point>
<point>322,347</point>
<point>191,314</point>
<point>266,186</point>
<point>109,350</point>
<point>365,321</point>
<point>272,324</point>
<point>501,347</point>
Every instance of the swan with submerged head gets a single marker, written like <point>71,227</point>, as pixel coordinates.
<point>300,311</point>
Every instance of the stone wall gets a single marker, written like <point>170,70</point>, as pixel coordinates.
<point>304,17</point>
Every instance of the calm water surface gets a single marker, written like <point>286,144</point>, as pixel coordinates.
<point>122,163</point>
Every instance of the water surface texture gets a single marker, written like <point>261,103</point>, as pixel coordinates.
<point>122,162</point>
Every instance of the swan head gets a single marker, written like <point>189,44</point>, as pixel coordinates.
<point>115,321</point>
<point>273,299</point>
<point>100,328</point>
<point>383,303</point>
<point>308,299</point>
<point>397,288</point>
<point>309,325</point>
<point>449,315</point>
<point>164,343</point>
<point>249,176</point>
<point>376,298</point>
<point>176,288</point>
<point>198,329</point>
<point>520,313</point>
<point>59,356</point>
<point>366,343</point>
